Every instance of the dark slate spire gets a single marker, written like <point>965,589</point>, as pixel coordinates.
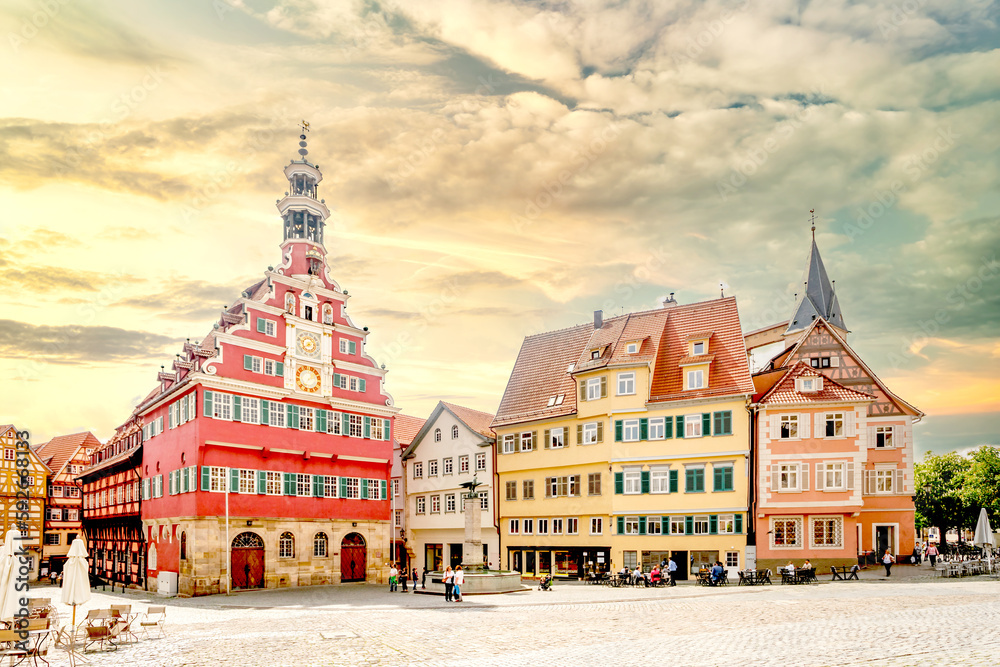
<point>819,299</point>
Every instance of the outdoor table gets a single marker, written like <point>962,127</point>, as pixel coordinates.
<point>844,572</point>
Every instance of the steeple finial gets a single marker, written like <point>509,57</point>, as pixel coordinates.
<point>812,221</point>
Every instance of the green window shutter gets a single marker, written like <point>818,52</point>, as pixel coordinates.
<point>289,483</point>
<point>345,424</point>
<point>279,369</point>
<point>364,489</point>
<point>361,385</point>
<point>579,434</point>
<point>545,439</point>
<point>234,480</point>
<point>618,430</point>
<point>265,414</point>
<point>604,386</point>
<point>237,408</point>
<point>673,481</point>
<point>386,429</point>
<point>294,415</point>
<point>642,525</point>
<point>261,326</point>
<point>619,483</point>
<point>205,478</point>
<point>644,429</point>
<point>343,487</point>
<point>689,525</point>
<point>717,483</point>
<point>644,481</point>
<point>738,521</point>
<point>208,411</point>
<point>665,525</point>
<point>706,423</point>
<point>368,427</point>
<point>727,478</point>
<point>717,423</point>
<point>145,489</point>
<point>600,431</point>
<point>318,486</point>
<point>321,420</point>
<point>336,380</point>
<point>668,427</point>
<point>727,423</point>
<point>247,362</point>
<point>170,484</point>
<point>713,524</point>
<point>352,347</point>
<point>382,489</point>
<point>182,481</point>
<point>583,390</point>
<point>680,426</point>
<point>261,482</point>
<point>621,525</point>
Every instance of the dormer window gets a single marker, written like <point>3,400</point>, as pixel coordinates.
<point>632,348</point>
<point>695,380</point>
<point>556,400</point>
<point>698,348</point>
<point>808,384</point>
<point>595,354</point>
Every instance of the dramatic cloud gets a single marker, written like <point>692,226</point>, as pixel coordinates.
<point>73,344</point>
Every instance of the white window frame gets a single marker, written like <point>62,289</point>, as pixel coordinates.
<point>247,481</point>
<point>838,532</point>
<point>659,480</point>
<point>701,524</point>
<point>835,417</point>
<point>698,349</point>
<point>678,525</point>
<point>514,527</point>
<point>654,525</point>
<point>694,379</point>
<point>572,525</point>
<point>631,525</point>
<point>692,426</point>
<point>276,415</point>
<point>888,434</point>
<point>463,464</point>
<point>541,526</point>
<point>268,367</point>
<point>509,445</point>
<point>557,438</point>
<point>632,348</point>
<point>250,412</point>
<point>528,526</point>
<point>418,470</point>
<point>789,477</point>
<point>449,503</point>
<point>222,406</point>
<point>421,505</point>
<point>596,525</point>
<point>793,424</point>
<point>273,483</point>
<point>630,430</point>
<point>436,504</point>
<point>218,479</point>
<point>526,444</point>
<point>447,465</point>
<point>725,524</point>
<point>657,429</point>
<point>557,527</point>
<point>632,482</point>
<point>356,424</point>
<point>794,520</point>
<point>626,383</point>
<point>593,389</point>
<point>303,485</point>
<point>432,468</point>
<point>589,433</point>
<point>830,471</point>
<point>270,327</point>
<point>480,461</point>
<point>881,476</point>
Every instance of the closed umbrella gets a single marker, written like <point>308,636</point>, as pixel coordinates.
<point>76,577</point>
<point>984,534</point>
<point>9,564</point>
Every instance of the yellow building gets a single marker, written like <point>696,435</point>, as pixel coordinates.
<point>23,495</point>
<point>625,442</point>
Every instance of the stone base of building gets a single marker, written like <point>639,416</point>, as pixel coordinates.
<point>260,555</point>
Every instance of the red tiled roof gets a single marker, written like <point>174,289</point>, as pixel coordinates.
<point>697,359</point>
<point>700,335</point>
<point>407,428</point>
<point>474,419</point>
<point>646,327</point>
<point>540,372</point>
<point>730,371</point>
<point>59,450</point>
<point>763,381</point>
<point>784,393</point>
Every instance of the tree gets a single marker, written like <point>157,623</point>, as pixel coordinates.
<point>982,486</point>
<point>940,499</point>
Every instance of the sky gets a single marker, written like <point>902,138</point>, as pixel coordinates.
<point>497,169</point>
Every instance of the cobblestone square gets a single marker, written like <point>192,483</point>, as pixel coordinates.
<point>910,620</point>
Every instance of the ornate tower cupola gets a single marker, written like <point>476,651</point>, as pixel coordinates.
<point>303,214</point>
<point>819,299</point>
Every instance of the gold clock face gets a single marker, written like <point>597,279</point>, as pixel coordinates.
<point>308,344</point>
<point>307,379</point>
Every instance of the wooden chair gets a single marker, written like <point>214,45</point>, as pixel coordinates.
<point>124,620</point>
<point>40,634</point>
<point>101,635</point>
<point>154,620</point>
<point>9,648</point>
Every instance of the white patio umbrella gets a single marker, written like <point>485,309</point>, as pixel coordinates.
<point>9,564</point>
<point>984,537</point>
<point>76,577</point>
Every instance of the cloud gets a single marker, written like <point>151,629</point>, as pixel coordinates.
<point>76,344</point>
<point>187,300</point>
<point>48,279</point>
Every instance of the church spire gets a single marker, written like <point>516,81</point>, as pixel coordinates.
<point>819,298</point>
<point>302,212</point>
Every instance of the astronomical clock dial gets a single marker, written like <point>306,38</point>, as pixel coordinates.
<point>308,344</point>
<point>307,379</point>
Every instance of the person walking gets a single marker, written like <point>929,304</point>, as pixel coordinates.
<point>423,579</point>
<point>449,583</point>
<point>403,576</point>
<point>888,560</point>
<point>393,573</point>
<point>459,577</point>
<point>672,571</point>
<point>932,553</point>
<point>414,580</point>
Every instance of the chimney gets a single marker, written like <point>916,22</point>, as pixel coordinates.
<point>668,302</point>
<point>598,319</point>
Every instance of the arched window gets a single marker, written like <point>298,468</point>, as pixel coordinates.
<point>321,546</point>
<point>184,545</point>
<point>454,432</point>
<point>290,303</point>
<point>151,557</point>
<point>437,435</point>
<point>327,314</point>
<point>286,545</point>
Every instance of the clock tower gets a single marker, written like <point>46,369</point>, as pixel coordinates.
<point>303,215</point>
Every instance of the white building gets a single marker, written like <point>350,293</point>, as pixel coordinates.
<point>454,445</point>
<point>405,428</point>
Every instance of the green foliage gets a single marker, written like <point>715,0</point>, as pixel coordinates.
<point>951,488</point>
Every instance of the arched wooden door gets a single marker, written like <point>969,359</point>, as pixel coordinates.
<point>353,558</point>
<point>248,561</point>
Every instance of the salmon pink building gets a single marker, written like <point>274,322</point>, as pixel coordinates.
<point>267,447</point>
<point>833,446</point>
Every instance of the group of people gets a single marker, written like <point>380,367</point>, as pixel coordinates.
<point>453,581</point>
<point>398,578</point>
<point>667,569</point>
<point>790,568</point>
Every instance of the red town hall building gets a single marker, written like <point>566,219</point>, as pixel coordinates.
<point>277,420</point>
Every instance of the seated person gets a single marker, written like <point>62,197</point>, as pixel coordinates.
<point>654,575</point>
<point>637,575</point>
<point>806,565</point>
<point>717,571</point>
<point>790,568</point>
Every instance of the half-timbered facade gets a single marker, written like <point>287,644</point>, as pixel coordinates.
<point>111,505</point>
<point>268,445</point>
<point>30,479</point>
<point>66,456</point>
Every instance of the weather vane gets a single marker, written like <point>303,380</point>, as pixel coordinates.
<point>304,125</point>
<point>812,220</point>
